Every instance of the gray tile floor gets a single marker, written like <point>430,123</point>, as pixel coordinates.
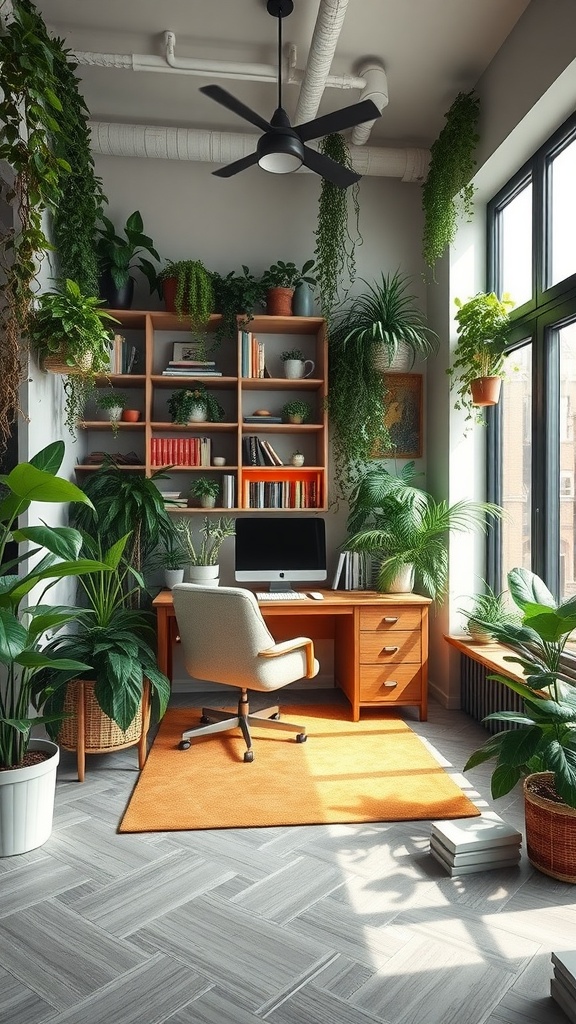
<point>347,924</point>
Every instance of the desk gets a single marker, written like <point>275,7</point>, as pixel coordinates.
<point>380,642</point>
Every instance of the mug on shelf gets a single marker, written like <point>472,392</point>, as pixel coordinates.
<point>296,368</point>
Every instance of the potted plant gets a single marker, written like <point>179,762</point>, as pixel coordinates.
<point>203,552</point>
<point>297,458</point>
<point>335,245</point>
<point>478,366</point>
<point>236,296</point>
<point>295,364</point>
<point>116,645</point>
<point>28,766</point>
<point>69,333</point>
<point>206,491</point>
<point>296,411</point>
<point>279,282</point>
<point>487,609</point>
<point>541,748</point>
<point>448,192</point>
<point>174,559</point>
<point>188,291</point>
<point>195,405</point>
<point>118,255</point>
<point>405,530</point>
<point>112,402</point>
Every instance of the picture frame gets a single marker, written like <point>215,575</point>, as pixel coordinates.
<point>404,416</point>
<point>185,350</point>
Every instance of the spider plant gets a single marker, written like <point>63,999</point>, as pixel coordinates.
<point>399,525</point>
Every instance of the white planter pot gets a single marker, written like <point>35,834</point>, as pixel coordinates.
<point>208,501</point>
<point>401,363</point>
<point>294,369</point>
<point>198,414</point>
<point>27,802</point>
<point>403,582</point>
<point>173,576</point>
<point>115,413</point>
<point>205,575</point>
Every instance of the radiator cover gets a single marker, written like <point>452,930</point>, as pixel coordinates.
<point>481,696</point>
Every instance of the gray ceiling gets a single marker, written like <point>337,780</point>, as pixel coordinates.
<point>430,50</point>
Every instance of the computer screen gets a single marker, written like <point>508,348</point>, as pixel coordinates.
<point>280,551</point>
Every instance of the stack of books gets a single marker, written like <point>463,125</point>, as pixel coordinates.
<point>475,844</point>
<point>563,984</point>
<point>191,368</point>
<point>123,356</point>
<point>252,362</point>
<point>353,571</point>
<point>256,451</point>
<point>174,499</point>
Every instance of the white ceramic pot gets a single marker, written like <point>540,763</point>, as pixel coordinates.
<point>208,501</point>
<point>115,413</point>
<point>173,576</point>
<point>205,575</point>
<point>198,414</point>
<point>403,582</point>
<point>296,368</point>
<point>297,460</point>
<point>27,802</point>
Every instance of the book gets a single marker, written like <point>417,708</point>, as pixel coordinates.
<point>565,963</point>
<point>176,372</point>
<point>192,362</point>
<point>262,419</point>
<point>339,568</point>
<point>464,834</point>
<point>564,997</point>
<point>468,869</point>
<point>276,460</point>
<point>484,856</point>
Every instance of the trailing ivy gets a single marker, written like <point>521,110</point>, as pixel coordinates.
<point>335,247</point>
<point>30,114</point>
<point>448,192</point>
<point>82,199</point>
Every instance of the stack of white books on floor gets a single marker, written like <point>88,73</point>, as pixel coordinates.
<point>475,844</point>
<point>563,984</point>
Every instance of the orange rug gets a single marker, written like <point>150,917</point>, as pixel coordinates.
<point>373,770</point>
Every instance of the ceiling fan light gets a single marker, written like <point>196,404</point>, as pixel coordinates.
<point>280,154</point>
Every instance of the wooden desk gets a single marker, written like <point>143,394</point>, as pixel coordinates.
<point>380,642</point>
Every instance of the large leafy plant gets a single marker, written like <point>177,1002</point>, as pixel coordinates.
<point>544,735</point>
<point>24,620</point>
<point>398,525</point>
<point>119,254</point>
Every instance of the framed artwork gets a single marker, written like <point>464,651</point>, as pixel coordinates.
<point>183,350</point>
<point>403,415</point>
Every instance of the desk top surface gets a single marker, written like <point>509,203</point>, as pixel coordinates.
<point>332,598</point>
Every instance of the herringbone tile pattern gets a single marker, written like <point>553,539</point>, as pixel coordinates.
<point>347,924</point>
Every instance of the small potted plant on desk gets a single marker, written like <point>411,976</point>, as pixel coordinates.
<point>202,555</point>
<point>117,256</point>
<point>541,748</point>
<point>206,491</point>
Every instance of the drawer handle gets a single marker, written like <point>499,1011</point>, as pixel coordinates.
<point>391,684</point>
<point>389,650</point>
<point>390,618</point>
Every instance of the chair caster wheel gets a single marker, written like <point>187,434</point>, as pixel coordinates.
<point>301,737</point>
<point>205,720</point>
<point>184,745</point>
<point>275,718</point>
<point>249,756</point>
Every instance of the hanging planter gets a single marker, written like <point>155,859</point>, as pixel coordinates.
<point>486,390</point>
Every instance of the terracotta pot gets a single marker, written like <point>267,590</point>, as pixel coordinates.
<point>279,301</point>
<point>169,286</point>
<point>130,415</point>
<point>486,390</point>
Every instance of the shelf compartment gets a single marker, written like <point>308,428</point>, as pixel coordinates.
<point>198,428</point>
<point>221,383</point>
<point>280,384</point>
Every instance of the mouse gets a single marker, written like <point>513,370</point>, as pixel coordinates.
<point>316,595</point>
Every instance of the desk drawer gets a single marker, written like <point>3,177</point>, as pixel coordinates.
<point>393,617</point>
<point>396,646</point>
<point>390,684</point>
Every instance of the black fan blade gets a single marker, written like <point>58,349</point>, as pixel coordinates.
<point>238,165</point>
<point>338,120</point>
<point>329,169</point>
<point>215,92</point>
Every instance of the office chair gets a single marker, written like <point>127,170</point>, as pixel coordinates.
<point>225,640</point>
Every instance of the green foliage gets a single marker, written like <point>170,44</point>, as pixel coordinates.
<point>82,197</point>
<point>287,275</point>
<point>113,640</point>
<point>448,192</point>
<point>194,290</point>
<point>488,608</point>
<point>206,549</point>
<point>204,487</point>
<point>483,330</point>
<point>236,295</point>
<point>293,353</point>
<point>111,399</point>
<point>544,737</point>
<point>23,628</point>
<point>297,408</point>
<point>73,324</point>
<point>398,524</point>
<point>335,247</point>
<point>118,256</point>
<point>181,403</point>
<point>30,117</point>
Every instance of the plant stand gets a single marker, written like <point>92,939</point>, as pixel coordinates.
<point>90,731</point>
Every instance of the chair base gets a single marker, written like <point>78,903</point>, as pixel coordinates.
<point>217,720</point>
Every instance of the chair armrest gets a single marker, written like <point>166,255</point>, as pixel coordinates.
<point>297,644</point>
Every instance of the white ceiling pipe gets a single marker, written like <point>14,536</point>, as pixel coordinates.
<point>327,30</point>
<point>376,89</point>
<point>164,143</point>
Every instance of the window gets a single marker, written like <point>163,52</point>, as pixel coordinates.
<point>532,464</point>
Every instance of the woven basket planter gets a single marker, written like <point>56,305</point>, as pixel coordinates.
<point>58,364</point>
<point>100,734</point>
<point>550,831</point>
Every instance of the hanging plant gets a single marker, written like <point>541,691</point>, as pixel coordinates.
<point>194,291</point>
<point>30,115</point>
<point>448,192</point>
<point>335,246</point>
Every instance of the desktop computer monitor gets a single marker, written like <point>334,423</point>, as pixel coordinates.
<point>280,551</point>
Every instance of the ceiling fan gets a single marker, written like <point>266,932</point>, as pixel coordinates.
<point>282,148</point>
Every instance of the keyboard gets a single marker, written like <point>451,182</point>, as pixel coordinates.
<point>282,595</point>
